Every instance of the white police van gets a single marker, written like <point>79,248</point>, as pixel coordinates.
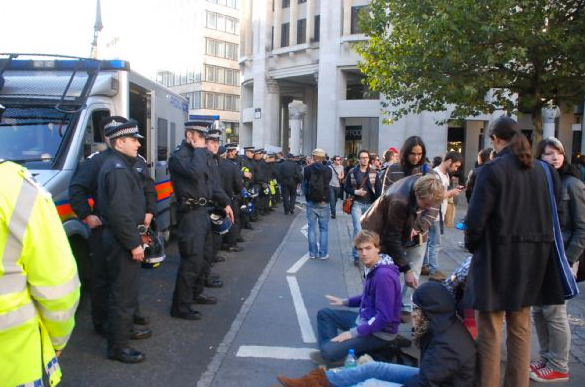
<point>54,105</point>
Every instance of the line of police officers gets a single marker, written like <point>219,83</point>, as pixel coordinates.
<point>207,179</point>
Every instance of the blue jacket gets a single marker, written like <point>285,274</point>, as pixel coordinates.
<point>381,300</point>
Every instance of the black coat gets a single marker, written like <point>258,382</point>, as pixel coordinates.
<point>509,230</point>
<point>290,172</point>
<point>231,177</point>
<point>447,351</point>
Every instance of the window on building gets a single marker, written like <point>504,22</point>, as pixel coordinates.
<point>302,1</point>
<point>317,35</point>
<point>301,31</point>
<point>220,22</point>
<point>231,51</point>
<point>285,3</point>
<point>284,35</point>
<point>231,25</point>
<point>355,15</point>
<point>211,20</point>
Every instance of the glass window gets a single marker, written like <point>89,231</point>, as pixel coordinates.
<point>212,20</point>
<point>301,31</point>
<point>317,28</point>
<point>220,48</point>
<point>210,47</point>
<point>220,101</point>
<point>355,13</point>
<point>162,140</point>
<point>302,1</point>
<point>285,3</point>
<point>220,22</point>
<point>284,35</point>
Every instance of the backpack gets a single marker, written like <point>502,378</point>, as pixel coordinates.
<point>317,188</point>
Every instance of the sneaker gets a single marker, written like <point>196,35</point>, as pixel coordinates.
<point>318,359</point>
<point>548,375</point>
<point>324,258</point>
<point>438,276</point>
<point>536,365</point>
<point>312,257</point>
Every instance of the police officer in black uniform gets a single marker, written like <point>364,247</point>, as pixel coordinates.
<point>195,189</point>
<point>122,207</point>
<point>84,186</point>
<point>291,175</point>
<point>247,167</point>
<point>232,183</point>
<point>260,182</point>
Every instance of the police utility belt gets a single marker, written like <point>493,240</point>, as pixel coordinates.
<point>191,204</point>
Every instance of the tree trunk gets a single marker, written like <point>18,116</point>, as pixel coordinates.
<point>537,122</point>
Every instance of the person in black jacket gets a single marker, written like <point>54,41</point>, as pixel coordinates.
<point>291,175</point>
<point>509,231</point>
<point>447,351</point>
<point>195,189</point>
<point>232,183</point>
<point>122,206</point>
<point>82,188</point>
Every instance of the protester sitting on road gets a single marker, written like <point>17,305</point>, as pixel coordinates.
<point>412,161</point>
<point>448,354</point>
<point>552,325</point>
<point>402,218</point>
<point>377,321</point>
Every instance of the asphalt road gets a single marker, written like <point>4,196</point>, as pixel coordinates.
<point>179,351</point>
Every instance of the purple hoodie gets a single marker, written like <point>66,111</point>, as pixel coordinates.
<point>381,300</point>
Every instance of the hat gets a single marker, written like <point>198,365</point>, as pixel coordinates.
<point>290,156</point>
<point>214,135</point>
<point>127,129</point>
<point>318,152</point>
<point>221,150</point>
<point>392,149</point>
<point>271,155</point>
<point>200,126</point>
<point>249,148</point>
<point>109,122</point>
<point>258,151</point>
<point>231,146</point>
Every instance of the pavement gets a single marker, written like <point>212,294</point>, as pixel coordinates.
<point>265,322</point>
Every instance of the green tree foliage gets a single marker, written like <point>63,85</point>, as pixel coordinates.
<point>473,56</point>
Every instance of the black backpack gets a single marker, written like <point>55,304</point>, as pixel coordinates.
<point>317,187</point>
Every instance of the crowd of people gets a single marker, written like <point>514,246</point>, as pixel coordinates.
<point>397,205</point>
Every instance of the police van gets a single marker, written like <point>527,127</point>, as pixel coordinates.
<point>54,105</point>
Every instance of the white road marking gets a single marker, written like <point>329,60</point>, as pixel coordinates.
<point>305,230</point>
<point>301,311</point>
<point>298,264</point>
<point>285,353</point>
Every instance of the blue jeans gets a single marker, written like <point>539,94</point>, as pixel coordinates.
<point>433,247</point>
<point>372,374</point>
<point>554,335</point>
<point>318,213</point>
<point>329,322</point>
<point>357,210</point>
<point>415,257</point>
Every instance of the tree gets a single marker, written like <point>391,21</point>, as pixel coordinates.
<point>475,56</point>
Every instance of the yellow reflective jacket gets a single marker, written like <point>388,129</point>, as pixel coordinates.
<point>36,264</point>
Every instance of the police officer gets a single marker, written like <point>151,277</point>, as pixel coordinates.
<point>82,187</point>
<point>260,182</point>
<point>232,183</point>
<point>122,207</point>
<point>195,188</point>
<point>247,167</point>
<point>291,175</point>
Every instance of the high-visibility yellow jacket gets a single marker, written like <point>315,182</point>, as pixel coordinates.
<point>39,286</point>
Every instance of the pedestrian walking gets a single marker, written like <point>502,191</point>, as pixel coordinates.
<point>363,184</point>
<point>291,175</point>
<point>412,161</point>
<point>551,321</point>
<point>509,231</point>
<point>335,184</point>
<point>449,164</point>
<point>38,281</point>
<point>316,178</point>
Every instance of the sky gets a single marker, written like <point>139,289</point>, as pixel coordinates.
<point>132,30</point>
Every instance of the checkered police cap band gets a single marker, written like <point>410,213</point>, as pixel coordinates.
<point>121,130</point>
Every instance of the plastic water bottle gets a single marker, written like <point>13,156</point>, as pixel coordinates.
<point>350,360</point>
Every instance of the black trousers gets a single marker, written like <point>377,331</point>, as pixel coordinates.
<point>232,235</point>
<point>193,234</point>
<point>122,277</point>
<point>289,196</point>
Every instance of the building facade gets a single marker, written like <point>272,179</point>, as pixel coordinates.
<point>301,51</point>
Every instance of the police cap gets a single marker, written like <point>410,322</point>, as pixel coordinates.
<point>258,151</point>
<point>127,129</point>
<point>109,122</point>
<point>199,126</point>
<point>231,146</point>
<point>214,135</point>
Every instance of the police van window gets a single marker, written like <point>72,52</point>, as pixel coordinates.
<point>96,119</point>
<point>162,140</point>
<point>173,142</point>
<point>93,140</point>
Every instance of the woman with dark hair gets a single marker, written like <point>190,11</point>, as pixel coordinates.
<point>482,157</point>
<point>509,231</point>
<point>412,161</point>
<point>552,325</point>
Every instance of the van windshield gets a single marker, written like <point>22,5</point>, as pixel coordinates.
<point>33,134</point>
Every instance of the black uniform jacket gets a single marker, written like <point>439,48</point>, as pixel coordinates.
<point>509,230</point>
<point>192,177</point>
<point>231,177</point>
<point>447,350</point>
<point>84,184</point>
<point>122,202</point>
<point>290,172</point>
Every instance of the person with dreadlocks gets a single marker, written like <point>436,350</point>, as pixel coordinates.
<point>448,354</point>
